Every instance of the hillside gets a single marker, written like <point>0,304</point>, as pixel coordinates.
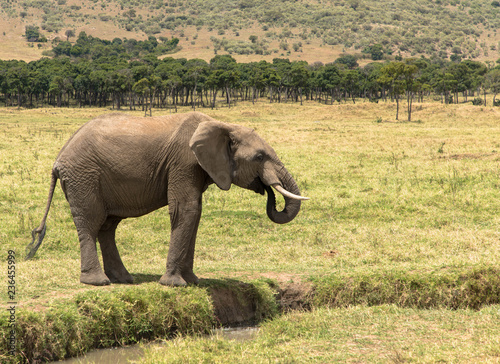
<point>311,30</point>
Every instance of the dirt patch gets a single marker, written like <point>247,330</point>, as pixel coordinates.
<point>295,296</point>
<point>231,308</point>
<point>239,304</point>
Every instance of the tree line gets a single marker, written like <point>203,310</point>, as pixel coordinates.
<point>129,74</point>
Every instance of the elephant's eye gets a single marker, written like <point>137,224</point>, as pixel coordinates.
<point>259,157</point>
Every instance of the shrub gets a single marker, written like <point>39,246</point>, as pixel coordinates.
<point>478,101</point>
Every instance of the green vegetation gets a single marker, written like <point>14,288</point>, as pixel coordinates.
<point>89,47</point>
<point>106,318</point>
<point>442,28</point>
<point>427,27</point>
<point>129,73</point>
<point>404,214</point>
<point>381,334</point>
<point>33,34</point>
<point>446,288</point>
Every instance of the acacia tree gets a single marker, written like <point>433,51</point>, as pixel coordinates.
<point>299,75</point>
<point>195,73</point>
<point>350,83</point>
<point>332,79</point>
<point>224,74</point>
<point>69,34</point>
<point>141,88</point>
<point>492,82</point>
<point>390,75</point>
<point>410,84</point>
<point>401,77</point>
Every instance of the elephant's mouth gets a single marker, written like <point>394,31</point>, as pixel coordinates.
<point>257,186</point>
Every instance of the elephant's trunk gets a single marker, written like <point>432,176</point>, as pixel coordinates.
<point>292,200</point>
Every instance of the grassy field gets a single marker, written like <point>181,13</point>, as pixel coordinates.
<point>389,200</point>
<point>381,334</point>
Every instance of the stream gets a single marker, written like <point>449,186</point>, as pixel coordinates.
<point>123,355</point>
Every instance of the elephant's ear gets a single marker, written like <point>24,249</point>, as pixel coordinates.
<point>210,144</point>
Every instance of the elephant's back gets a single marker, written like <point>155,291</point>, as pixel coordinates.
<point>120,126</point>
<point>115,135</point>
<point>118,132</point>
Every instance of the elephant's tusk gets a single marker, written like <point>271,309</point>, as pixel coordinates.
<point>288,194</point>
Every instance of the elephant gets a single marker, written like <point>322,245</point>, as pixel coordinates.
<point>118,166</point>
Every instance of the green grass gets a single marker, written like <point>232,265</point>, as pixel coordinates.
<point>395,216</point>
<point>115,317</point>
<point>381,334</point>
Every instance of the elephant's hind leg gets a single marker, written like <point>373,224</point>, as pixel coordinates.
<point>88,215</point>
<point>91,271</point>
<point>113,265</point>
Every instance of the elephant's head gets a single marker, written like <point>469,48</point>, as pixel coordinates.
<point>236,154</point>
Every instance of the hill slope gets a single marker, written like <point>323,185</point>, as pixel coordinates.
<point>311,30</point>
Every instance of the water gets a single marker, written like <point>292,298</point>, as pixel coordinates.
<point>237,333</point>
<point>123,355</point>
<point>108,356</point>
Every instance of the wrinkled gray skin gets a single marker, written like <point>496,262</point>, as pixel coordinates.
<point>118,166</point>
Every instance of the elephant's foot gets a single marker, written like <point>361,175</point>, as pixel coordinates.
<point>190,277</point>
<point>94,278</point>
<point>119,276</point>
<point>174,280</point>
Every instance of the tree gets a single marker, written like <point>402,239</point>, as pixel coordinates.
<point>142,88</point>
<point>69,34</point>
<point>410,85</point>
<point>32,34</point>
<point>348,60</point>
<point>332,78</point>
<point>223,75</point>
<point>400,77</point>
<point>299,77</point>
<point>282,67</point>
<point>350,83</point>
<point>195,73</point>
<point>492,82</point>
<point>369,75</point>
<point>376,52</point>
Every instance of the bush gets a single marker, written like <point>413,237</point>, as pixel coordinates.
<point>32,34</point>
<point>478,101</point>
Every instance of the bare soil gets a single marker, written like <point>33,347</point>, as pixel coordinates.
<point>232,309</point>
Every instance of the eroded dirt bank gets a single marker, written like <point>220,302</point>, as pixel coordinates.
<point>235,307</point>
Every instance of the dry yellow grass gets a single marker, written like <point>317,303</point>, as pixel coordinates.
<point>388,198</point>
<point>383,195</point>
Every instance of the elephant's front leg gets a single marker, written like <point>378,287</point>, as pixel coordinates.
<point>184,221</point>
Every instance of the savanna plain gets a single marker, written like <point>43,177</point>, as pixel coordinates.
<point>400,238</point>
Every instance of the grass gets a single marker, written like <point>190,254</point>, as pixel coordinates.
<point>399,213</point>
<point>96,319</point>
<point>382,334</point>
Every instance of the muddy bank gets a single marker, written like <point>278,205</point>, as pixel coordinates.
<point>239,305</point>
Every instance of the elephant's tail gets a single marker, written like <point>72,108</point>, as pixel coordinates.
<point>40,230</point>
